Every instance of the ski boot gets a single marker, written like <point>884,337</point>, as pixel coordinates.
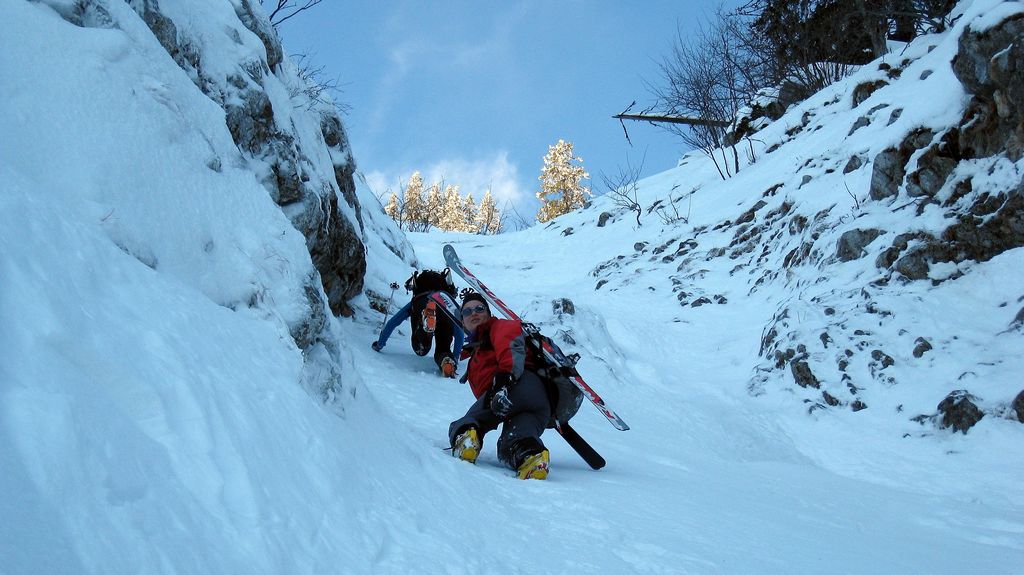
<point>467,445</point>
<point>535,466</point>
<point>448,367</point>
<point>430,317</point>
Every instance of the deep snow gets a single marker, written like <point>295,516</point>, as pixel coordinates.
<point>150,424</point>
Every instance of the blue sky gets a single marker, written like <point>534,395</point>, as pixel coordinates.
<point>475,92</point>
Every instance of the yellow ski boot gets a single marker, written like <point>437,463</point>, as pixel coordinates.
<point>448,367</point>
<point>535,466</point>
<point>467,446</point>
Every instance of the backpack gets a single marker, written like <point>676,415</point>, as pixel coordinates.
<point>429,281</point>
<point>563,394</point>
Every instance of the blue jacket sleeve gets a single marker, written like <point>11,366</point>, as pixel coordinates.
<point>396,320</point>
<point>460,338</point>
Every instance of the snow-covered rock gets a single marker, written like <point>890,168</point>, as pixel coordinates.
<point>847,244</point>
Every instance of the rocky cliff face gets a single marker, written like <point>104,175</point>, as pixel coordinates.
<point>270,135</point>
<point>292,141</point>
<point>988,65</point>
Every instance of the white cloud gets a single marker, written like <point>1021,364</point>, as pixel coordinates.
<point>495,173</point>
<point>475,175</point>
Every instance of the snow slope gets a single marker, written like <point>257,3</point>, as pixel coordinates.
<point>708,480</point>
<point>151,421</point>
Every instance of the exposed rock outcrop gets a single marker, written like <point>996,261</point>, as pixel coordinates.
<point>959,411</point>
<point>990,65</point>
<point>281,153</point>
<point>563,306</point>
<point>890,165</point>
<point>934,166</point>
<point>852,243</point>
<point>1018,406</point>
<point>821,347</point>
<point>992,225</point>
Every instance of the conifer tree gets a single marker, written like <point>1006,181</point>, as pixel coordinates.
<point>452,218</point>
<point>393,210</point>
<point>469,212</point>
<point>433,206</point>
<point>488,218</point>
<point>413,208</point>
<point>561,187</point>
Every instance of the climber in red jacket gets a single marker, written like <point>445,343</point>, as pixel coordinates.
<point>507,391</point>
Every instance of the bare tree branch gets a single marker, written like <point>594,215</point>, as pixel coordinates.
<point>285,9</point>
<point>674,217</point>
<point>623,187</point>
<point>703,81</point>
<point>623,124</point>
<point>318,89</point>
<point>689,121</point>
<point>518,221</point>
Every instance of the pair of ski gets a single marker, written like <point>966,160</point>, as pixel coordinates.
<point>550,352</point>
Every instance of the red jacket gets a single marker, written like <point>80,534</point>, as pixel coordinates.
<point>497,346</point>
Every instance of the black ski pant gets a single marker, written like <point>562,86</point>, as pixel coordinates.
<point>520,435</point>
<point>441,338</point>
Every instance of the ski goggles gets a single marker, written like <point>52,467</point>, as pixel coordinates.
<point>468,311</point>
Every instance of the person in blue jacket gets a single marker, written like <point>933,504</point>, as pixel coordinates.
<point>430,326</point>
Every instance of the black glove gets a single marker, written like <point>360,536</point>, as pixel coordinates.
<point>500,403</point>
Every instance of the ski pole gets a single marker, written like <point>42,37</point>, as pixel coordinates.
<point>387,308</point>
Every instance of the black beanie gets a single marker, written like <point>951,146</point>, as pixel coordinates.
<point>474,296</point>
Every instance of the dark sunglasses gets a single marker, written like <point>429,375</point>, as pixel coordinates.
<point>468,311</point>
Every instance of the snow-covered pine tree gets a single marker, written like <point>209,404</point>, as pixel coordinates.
<point>433,207</point>
<point>393,210</point>
<point>451,217</point>
<point>469,211</point>
<point>413,208</point>
<point>488,218</point>
<point>561,187</point>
